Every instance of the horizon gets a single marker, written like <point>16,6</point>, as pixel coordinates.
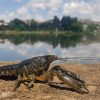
<point>46,9</point>
<point>24,20</point>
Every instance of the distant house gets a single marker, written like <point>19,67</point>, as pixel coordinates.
<point>2,22</point>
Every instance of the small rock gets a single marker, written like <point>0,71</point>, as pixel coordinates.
<point>6,94</point>
<point>92,88</point>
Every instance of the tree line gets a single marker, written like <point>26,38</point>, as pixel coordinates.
<point>66,23</point>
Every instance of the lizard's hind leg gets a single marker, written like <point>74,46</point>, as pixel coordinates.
<point>28,79</point>
<point>31,81</point>
<point>22,77</point>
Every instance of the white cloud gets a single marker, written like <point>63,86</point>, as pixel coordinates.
<point>46,9</point>
<point>82,9</point>
<point>11,14</point>
<point>55,4</point>
<point>39,18</point>
<point>38,6</point>
<point>43,4</point>
<point>77,9</point>
<point>22,10</point>
<point>7,16</point>
<point>23,13</point>
<point>54,7</point>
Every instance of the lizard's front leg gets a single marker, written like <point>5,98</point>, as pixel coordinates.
<point>17,82</point>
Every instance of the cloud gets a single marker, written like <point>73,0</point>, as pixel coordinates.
<point>39,18</point>
<point>11,14</point>
<point>44,4</point>
<point>23,13</point>
<point>77,9</point>
<point>50,6</point>
<point>46,9</point>
<point>7,16</point>
<point>54,7</point>
<point>22,10</point>
<point>83,9</point>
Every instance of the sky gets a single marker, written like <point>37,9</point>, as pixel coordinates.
<point>42,10</point>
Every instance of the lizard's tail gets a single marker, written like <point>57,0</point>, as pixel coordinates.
<point>8,70</point>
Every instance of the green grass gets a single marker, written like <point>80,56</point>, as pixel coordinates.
<point>36,32</point>
<point>23,32</point>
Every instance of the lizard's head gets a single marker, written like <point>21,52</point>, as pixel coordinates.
<point>51,58</point>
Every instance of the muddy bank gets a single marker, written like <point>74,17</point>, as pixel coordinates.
<point>41,91</point>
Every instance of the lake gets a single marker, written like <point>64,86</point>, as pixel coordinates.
<point>20,47</point>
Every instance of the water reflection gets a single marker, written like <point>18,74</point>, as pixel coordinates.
<point>19,47</point>
<point>65,40</point>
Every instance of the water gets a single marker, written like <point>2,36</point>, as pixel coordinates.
<point>17,48</point>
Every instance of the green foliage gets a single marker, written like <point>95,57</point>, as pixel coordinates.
<point>92,27</point>
<point>76,27</point>
<point>56,23</point>
<point>17,24</point>
<point>65,24</point>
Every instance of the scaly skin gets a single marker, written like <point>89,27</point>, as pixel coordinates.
<point>37,65</point>
<point>27,70</point>
<point>36,68</point>
<point>8,70</point>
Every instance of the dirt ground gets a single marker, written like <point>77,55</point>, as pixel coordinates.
<point>41,91</point>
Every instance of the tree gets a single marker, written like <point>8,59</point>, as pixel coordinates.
<point>92,27</point>
<point>17,24</point>
<point>32,25</point>
<point>66,22</point>
<point>76,26</point>
<point>56,23</point>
